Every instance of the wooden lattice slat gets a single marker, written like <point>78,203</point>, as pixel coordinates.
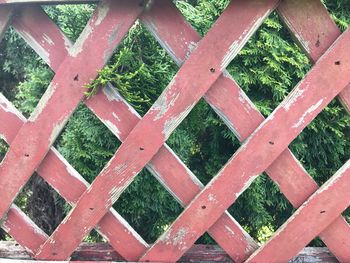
<point>169,110</point>
<point>241,115</point>
<point>174,178</point>
<point>319,211</point>
<point>263,150</point>
<point>258,152</point>
<point>54,170</point>
<point>36,136</point>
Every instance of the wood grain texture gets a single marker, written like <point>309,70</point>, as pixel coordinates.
<point>310,219</point>
<point>308,99</point>
<point>53,46</point>
<point>70,184</point>
<point>314,30</point>
<point>198,253</point>
<point>120,118</point>
<point>241,116</point>
<point>335,235</point>
<point>37,135</point>
<point>169,110</point>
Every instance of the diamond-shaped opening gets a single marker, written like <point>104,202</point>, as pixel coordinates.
<point>202,14</point>
<point>86,143</point>
<point>346,214</point>
<point>24,76</point>
<point>94,237</point>
<point>324,146</point>
<point>3,149</point>
<point>4,236</point>
<point>339,11</point>
<point>270,65</point>
<point>140,69</point>
<point>148,207</point>
<point>42,204</point>
<point>203,142</point>
<point>71,18</point>
<point>261,209</point>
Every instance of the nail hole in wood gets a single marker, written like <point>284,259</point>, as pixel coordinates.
<point>212,70</point>
<point>337,63</point>
<point>91,208</point>
<point>26,155</point>
<point>204,207</point>
<point>322,212</point>
<point>76,78</point>
<point>141,148</point>
<point>271,142</point>
<point>317,43</point>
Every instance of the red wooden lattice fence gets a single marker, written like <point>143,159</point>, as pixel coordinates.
<point>202,74</point>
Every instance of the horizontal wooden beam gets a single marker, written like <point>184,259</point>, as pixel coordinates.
<point>12,252</point>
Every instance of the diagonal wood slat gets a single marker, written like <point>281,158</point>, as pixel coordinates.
<point>236,241</point>
<point>39,133</point>
<point>205,212</point>
<point>169,110</point>
<point>258,152</point>
<point>239,113</point>
<point>314,35</point>
<point>315,214</point>
<point>65,180</point>
<point>54,169</point>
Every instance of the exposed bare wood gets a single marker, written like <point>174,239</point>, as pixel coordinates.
<point>46,122</point>
<point>242,117</point>
<point>309,220</point>
<point>239,113</point>
<point>265,149</point>
<point>314,35</point>
<point>198,253</point>
<point>308,99</point>
<point>169,110</point>
<point>167,168</point>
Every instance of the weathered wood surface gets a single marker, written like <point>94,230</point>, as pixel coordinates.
<point>70,185</point>
<point>297,186</point>
<point>118,116</point>
<point>314,30</point>
<point>311,218</point>
<point>156,22</point>
<point>54,169</point>
<point>240,114</point>
<point>198,253</point>
<point>170,109</point>
<point>312,94</point>
<point>109,24</point>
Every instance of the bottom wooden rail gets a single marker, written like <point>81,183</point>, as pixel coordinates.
<point>88,252</point>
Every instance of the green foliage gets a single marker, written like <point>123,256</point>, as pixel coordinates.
<point>70,18</point>
<point>30,91</point>
<point>139,70</point>
<point>3,149</point>
<point>340,10</point>
<point>267,69</point>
